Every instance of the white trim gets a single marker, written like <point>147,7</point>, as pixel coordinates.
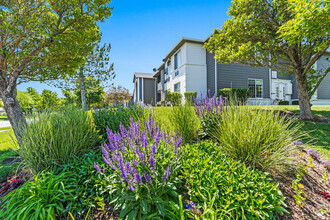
<point>262,94</point>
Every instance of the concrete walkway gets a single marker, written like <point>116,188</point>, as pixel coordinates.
<point>4,124</point>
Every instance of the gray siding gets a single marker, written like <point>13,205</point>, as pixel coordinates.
<point>237,75</point>
<point>210,69</point>
<point>324,88</point>
<point>149,91</point>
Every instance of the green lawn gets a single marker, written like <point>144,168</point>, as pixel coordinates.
<point>318,132</point>
<point>7,147</point>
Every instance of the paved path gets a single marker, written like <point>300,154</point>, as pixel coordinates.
<point>4,124</point>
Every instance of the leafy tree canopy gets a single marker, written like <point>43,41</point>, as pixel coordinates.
<point>284,35</point>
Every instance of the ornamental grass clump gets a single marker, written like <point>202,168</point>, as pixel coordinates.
<point>145,163</point>
<point>259,138</point>
<point>209,111</point>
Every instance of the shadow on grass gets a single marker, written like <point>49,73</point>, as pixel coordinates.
<point>8,163</point>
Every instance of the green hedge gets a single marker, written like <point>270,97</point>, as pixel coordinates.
<point>296,102</point>
<point>238,93</point>
<point>190,97</point>
<point>174,98</point>
<point>283,103</point>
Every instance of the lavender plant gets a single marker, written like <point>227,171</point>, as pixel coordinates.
<point>145,164</point>
<point>209,111</point>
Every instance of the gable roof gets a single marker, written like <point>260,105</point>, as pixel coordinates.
<point>143,75</point>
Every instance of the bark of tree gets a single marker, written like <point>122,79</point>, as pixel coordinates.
<point>14,113</point>
<point>304,99</point>
<point>82,89</point>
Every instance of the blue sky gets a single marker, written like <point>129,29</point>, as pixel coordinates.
<point>143,32</point>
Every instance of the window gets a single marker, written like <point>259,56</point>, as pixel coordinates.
<point>140,89</point>
<point>256,88</point>
<point>176,73</point>
<point>177,60</point>
<point>177,87</point>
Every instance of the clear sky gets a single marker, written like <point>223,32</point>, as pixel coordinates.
<point>143,32</point>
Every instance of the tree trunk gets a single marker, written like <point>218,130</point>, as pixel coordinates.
<point>82,90</point>
<point>14,114</point>
<point>304,100</point>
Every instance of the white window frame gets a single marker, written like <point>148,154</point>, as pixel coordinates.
<point>255,88</point>
<point>179,87</point>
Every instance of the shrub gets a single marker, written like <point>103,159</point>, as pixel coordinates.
<point>226,189</point>
<point>115,115</point>
<point>55,137</point>
<point>283,103</point>
<point>38,199</point>
<point>237,93</point>
<point>259,138</point>
<point>146,168</point>
<point>175,98</point>
<point>184,121</point>
<point>75,188</point>
<point>296,102</point>
<point>190,97</point>
<point>209,111</point>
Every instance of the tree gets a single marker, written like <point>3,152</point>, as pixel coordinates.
<point>26,102</point>
<point>97,65</point>
<point>48,99</point>
<point>117,94</point>
<point>284,35</point>
<point>93,91</point>
<point>42,40</point>
<point>36,98</point>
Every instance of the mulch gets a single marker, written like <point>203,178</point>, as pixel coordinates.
<point>315,206</point>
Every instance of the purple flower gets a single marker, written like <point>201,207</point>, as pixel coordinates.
<point>131,188</point>
<point>168,171</point>
<point>177,144</point>
<point>135,163</point>
<point>97,168</point>
<point>137,178</point>
<point>152,162</point>
<point>147,178</point>
<point>298,143</point>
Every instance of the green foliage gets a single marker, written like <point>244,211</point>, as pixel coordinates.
<point>89,187</point>
<point>283,102</point>
<point>93,91</point>
<point>297,187</point>
<point>175,98</point>
<point>296,102</point>
<point>38,199</point>
<point>190,97</point>
<point>55,137</point>
<point>26,102</point>
<point>185,121</point>
<point>238,94</point>
<point>248,38</point>
<point>260,138</point>
<point>75,188</point>
<point>48,99</point>
<point>115,115</point>
<point>225,188</point>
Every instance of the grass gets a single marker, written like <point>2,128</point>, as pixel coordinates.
<point>319,132</point>
<point>3,118</point>
<point>7,147</point>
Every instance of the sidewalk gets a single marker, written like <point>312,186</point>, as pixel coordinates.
<point>4,124</point>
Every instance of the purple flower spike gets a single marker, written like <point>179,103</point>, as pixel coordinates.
<point>152,162</point>
<point>97,168</point>
<point>131,188</point>
<point>168,171</point>
<point>298,143</point>
<point>137,178</point>
<point>147,178</point>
